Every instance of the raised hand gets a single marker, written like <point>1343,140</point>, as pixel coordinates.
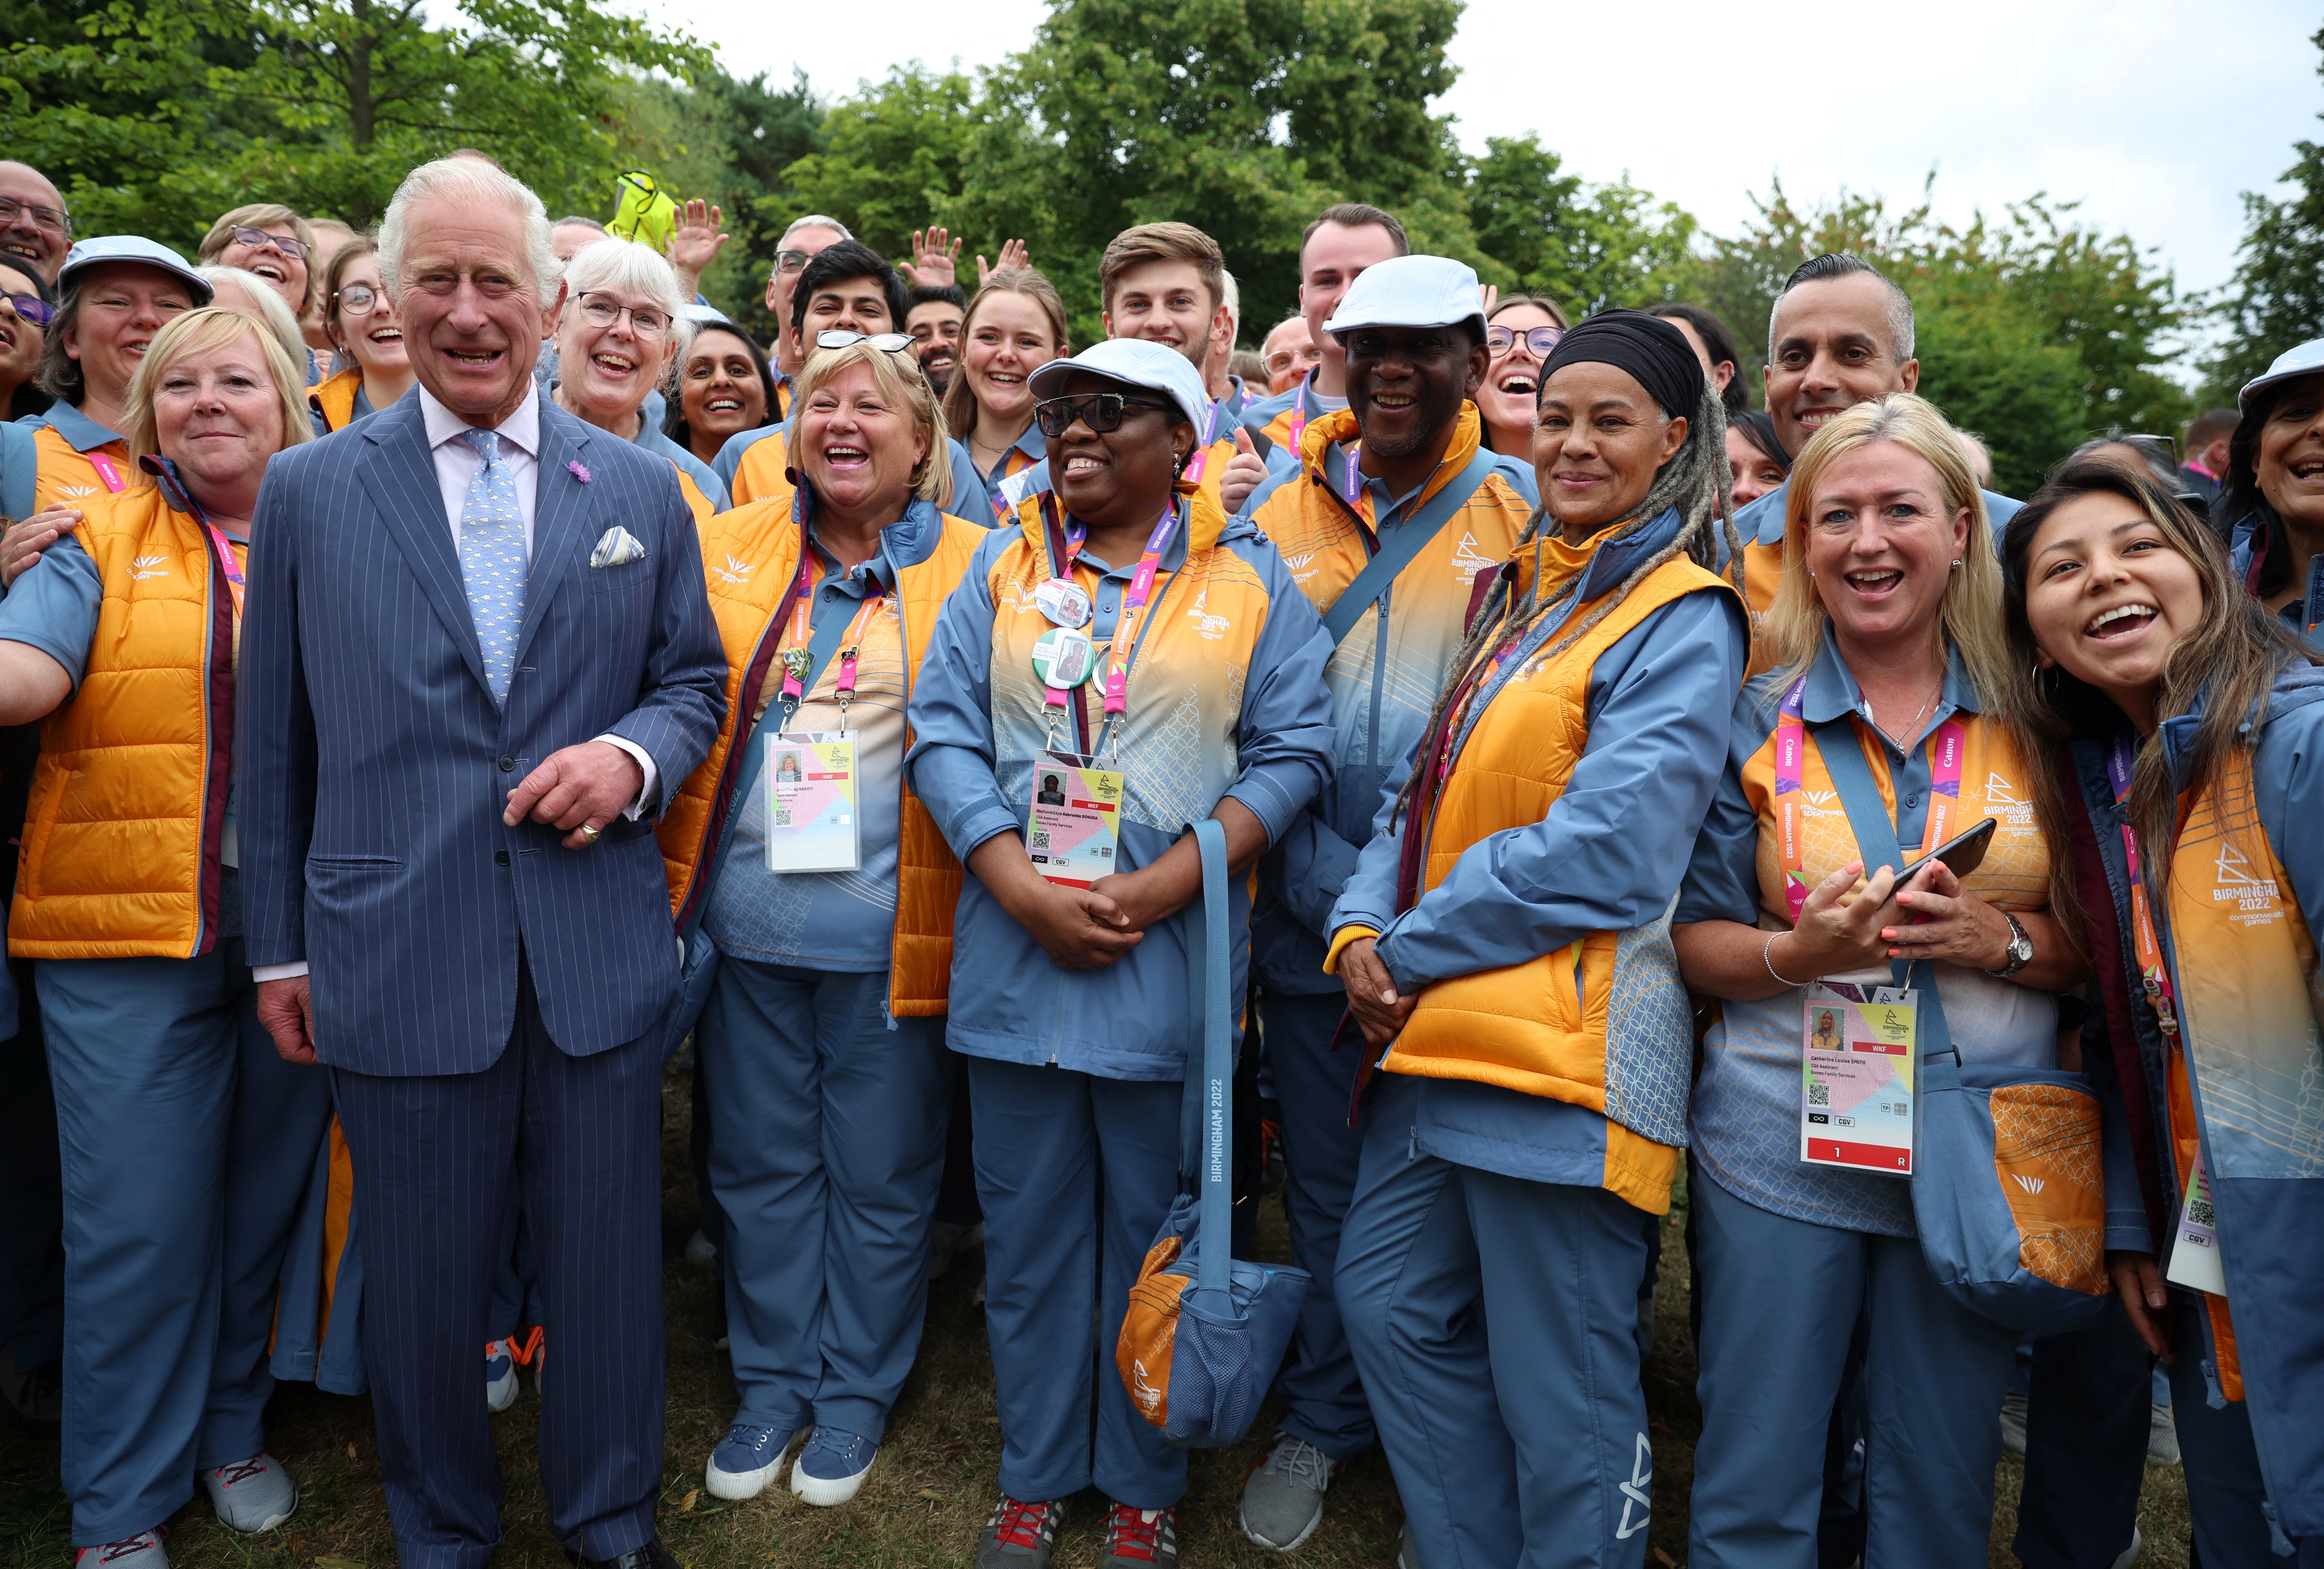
<point>935,258</point>
<point>700,233</point>
<point>1013,255</point>
<point>1245,472</point>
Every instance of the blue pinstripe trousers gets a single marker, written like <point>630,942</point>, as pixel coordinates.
<point>433,1157</point>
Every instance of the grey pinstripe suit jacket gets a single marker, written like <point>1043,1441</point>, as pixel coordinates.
<point>372,767</point>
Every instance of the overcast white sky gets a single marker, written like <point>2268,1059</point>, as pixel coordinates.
<point>2153,115</point>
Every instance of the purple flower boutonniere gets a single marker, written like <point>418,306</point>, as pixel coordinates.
<point>579,473</point>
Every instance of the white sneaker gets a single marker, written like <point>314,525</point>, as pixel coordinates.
<point>500,1374</point>
<point>831,1466</point>
<point>700,1250</point>
<point>745,1461</point>
<point>1283,1499</point>
<point>251,1495</point>
<point>142,1551</point>
<point>1405,1558</point>
<point>2130,1554</point>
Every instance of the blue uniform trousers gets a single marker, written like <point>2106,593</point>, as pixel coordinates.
<point>2224,1492</point>
<point>1076,1174</point>
<point>434,1156</point>
<point>187,1146</point>
<point>826,1145</point>
<point>1320,1151</point>
<point>2089,1401</point>
<point>1780,1300</point>
<point>1526,1445</point>
<point>32,1196</point>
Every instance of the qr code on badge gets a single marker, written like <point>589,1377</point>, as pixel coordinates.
<point>2199,1213</point>
<point>1819,1093</point>
<point>1040,839</point>
<point>783,816</point>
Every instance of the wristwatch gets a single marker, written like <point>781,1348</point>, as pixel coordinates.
<point>2020,950</point>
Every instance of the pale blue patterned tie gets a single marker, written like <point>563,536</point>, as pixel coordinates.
<point>492,559</point>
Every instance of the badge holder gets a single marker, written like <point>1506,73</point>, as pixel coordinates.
<point>813,824</point>
<point>1073,818</point>
<point>1857,1049</point>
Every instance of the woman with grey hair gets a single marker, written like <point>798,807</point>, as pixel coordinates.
<point>247,294</point>
<point>616,337</point>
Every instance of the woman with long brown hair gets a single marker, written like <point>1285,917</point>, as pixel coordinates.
<point>2174,728</point>
<point>1014,325</point>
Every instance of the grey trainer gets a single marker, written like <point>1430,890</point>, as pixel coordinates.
<point>1020,1534</point>
<point>252,1495</point>
<point>1283,1499</point>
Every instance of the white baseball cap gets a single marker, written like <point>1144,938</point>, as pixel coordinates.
<point>102,248</point>
<point>1138,361</point>
<point>2305,360</point>
<point>1411,291</point>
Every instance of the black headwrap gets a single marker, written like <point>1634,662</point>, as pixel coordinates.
<point>1652,350</point>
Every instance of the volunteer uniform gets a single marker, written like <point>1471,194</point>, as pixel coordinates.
<point>1525,1133</point>
<point>188,1143</point>
<point>823,1038</point>
<point>1027,451</point>
<point>340,401</point>
<point>2228,956</point>
<point>1284,417</point>
<point>1330,521</point>
<point>1786,1251</point>
<point>2304,614</point>
<point>1214,449</point>
<point>80,461</point>
<point>1074,1075</point>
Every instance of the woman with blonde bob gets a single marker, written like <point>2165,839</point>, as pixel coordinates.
<point>1889,668</point>
<point>2173,725</point>
<point>186,1141</point>
<point>825,957</point>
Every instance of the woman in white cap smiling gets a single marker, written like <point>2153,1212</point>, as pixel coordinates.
<point>2275,495</point>
<point>1122,634</point>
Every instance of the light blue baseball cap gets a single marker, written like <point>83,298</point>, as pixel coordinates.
<point>2306,360</point>
<point>1139,363</point>
<point>102,248</point>
<point>1411,291</point>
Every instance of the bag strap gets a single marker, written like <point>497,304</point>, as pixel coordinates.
<point>1206,1122</point>
<point>1398,548</point>
<point>1876,840</point>
<point>20,470</point>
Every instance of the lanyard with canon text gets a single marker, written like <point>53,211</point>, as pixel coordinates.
<point>798,655</point>
<point>2152,973</point>
<point>1950,743</point>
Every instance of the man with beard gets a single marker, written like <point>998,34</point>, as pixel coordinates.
<point>933,318</point>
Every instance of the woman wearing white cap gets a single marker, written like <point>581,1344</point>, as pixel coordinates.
<point>118,291</point>
<point>1127,624</point>
<point>2274,493</point>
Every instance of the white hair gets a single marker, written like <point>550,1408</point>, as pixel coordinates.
<point>1231,297</point>
<point>272,314</point>
<point>468,179</point>
<point>813,220</point>
<point>627,265</point>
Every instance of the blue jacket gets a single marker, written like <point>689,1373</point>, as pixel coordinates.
<point>2304,615</point>
<point>372,764</point>
<point>1271,744</point>
<point>2270,1191</point>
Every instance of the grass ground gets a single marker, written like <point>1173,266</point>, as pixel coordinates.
<point>930,1494</point>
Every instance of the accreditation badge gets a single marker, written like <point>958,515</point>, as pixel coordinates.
<point>1064,602</point>
<point>1858,1046</point>
<point>1073,825</point>
<point>812,822</point>
<point>1064,658</point>
<point>2195,1240</point>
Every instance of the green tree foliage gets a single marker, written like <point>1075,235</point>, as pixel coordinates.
<point>2276,297</point>
<point>1588,246</point>
<point>2032,330</point>
<point>892,155</point>
<point>156,115</point>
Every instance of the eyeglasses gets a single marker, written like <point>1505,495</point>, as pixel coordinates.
<point>358,300</point>
<point>599,311</point>
<point>840,338</point>
<point>1101,412</point>
<point>31,308</point>
<point>792,261</point>
<point>54,219</point>
<point>1283,359</point>
<point>294,249</point>
<point>2163,447</point>
<point>1540,339</point>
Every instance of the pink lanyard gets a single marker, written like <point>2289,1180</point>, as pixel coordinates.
<point>802,631</point>
<point>1203,448</point>
<point>1074,535</point>
<point>1298,418</point>
<point>107,472</point>
<point>2156,977</point>
<point>1791,758</point>
<point>1133,606</point>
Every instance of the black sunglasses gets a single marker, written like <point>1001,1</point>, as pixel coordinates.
<point>1101,412</point>
<point>34,308</point>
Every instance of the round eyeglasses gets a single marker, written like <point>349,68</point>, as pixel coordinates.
<point>1499,340</point>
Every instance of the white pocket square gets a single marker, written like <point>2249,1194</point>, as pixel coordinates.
<point>618,547</point>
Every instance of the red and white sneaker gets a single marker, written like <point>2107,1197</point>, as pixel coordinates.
<point>1139,1538</point>
<point>1019,1534</point>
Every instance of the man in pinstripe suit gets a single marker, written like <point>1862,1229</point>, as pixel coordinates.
<point>476,654</point>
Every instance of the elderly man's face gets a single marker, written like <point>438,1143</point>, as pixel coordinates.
<point>473,313</point>
<point>34,235</point>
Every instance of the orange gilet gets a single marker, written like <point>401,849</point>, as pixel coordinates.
<point>750,554</point>
<point>334,399</point>
<point>1540,1027</point>
<point>127,814</point>
<point>70,477</point>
